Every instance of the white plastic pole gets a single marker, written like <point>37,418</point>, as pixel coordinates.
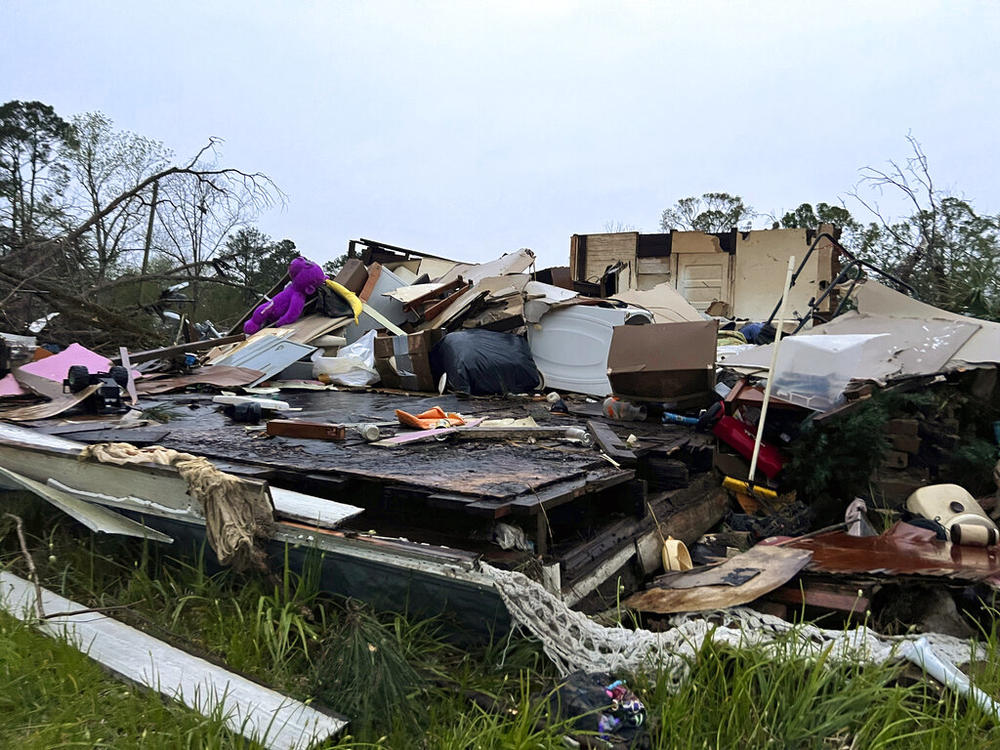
<point>774,359</point>
<point>920,653</point>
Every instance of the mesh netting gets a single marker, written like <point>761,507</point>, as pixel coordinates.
<point>573,641</point>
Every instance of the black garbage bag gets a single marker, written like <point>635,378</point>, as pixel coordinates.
<point>485,363</point>
<point>331,304</point>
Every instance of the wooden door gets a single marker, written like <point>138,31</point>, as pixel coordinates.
<point>702,278</point>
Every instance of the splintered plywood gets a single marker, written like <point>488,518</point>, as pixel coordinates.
<point>761,570</point>
<point>485,468</point>
<point>254,711</point>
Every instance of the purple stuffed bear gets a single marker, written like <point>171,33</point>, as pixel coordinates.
<point>286,307</point>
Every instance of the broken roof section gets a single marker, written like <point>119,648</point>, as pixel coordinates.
<point>982,347</point>
<point>890,337</point>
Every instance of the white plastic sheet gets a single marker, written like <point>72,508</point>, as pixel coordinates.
<point>354,365</point>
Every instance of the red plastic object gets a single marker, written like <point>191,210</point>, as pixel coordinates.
<point>740,437</point>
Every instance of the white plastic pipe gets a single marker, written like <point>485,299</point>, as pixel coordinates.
<point>774,359</point>
<point>920,653</point>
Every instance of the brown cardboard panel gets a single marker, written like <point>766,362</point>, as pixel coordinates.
<point>353,275</point>
<point>663,361</point>
<point>412,369</point>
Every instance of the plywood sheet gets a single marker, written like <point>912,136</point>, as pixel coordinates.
<point>222,376</point>
<point>52,408</point>
<point>712,589</point>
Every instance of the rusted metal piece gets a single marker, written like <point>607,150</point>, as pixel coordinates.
<point>902,550</point>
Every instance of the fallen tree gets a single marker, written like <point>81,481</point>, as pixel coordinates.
<point>52,274</point>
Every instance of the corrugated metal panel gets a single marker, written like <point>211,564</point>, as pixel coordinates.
<point>94,517</point>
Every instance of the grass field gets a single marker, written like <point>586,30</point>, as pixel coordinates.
<point>401,682</point>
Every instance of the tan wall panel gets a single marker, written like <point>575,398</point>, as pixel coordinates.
<point>761,263</point>
<point>694,242</point>
<point>604,250</point>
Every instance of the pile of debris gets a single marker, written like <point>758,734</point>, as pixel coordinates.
<point>415,416</point>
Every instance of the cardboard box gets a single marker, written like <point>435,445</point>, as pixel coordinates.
<point>673,363</point>
<point>403,361</point>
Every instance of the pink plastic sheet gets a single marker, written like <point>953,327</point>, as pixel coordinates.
<point>57,366</point>
<point>10,387</point>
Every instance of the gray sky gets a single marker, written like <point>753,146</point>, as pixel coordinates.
<point>470,129</point>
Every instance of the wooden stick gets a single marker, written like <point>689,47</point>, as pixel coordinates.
<point>31,564</point>
<point>770,376</point>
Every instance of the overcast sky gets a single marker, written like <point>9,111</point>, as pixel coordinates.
<point>469,129</point>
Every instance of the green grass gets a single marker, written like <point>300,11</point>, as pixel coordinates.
<point>750,699</point>
<point>401,682</point>
<point>54,696</point>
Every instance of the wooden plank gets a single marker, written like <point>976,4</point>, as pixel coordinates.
<point>436,309</point>
<point>180,349</point>
<point>423,436</point>
<point>843,597</point>
<point>457,308</point>
<point>600,574</point>
<point>306,429</point>
<point>433,293</point>
<point>610,443</point>
<point>321,485</point>
<point>687,521</point>
<point>138,436</point>
<point>489,508</point>
<point>445,500</point>
<point>244,470</point>
<point>297,506</point>
<point>511,432</point>
<point>566,491</point>
<point>254,711</point>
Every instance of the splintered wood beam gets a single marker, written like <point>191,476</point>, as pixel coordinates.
<point>610,443</point>
<point>169,351</point>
